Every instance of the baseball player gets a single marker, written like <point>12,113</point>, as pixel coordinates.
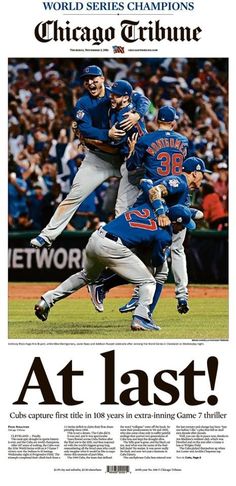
<point>110,247</point>
<point>173,190</point>
<point>161,153</point>
<point>102,160</point>
<point>121,105</point>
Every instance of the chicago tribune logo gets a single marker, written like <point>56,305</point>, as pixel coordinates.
<point>130,31</point>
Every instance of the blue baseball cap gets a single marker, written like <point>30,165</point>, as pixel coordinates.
<point>167,114</point>
<point>122,88</point>
<point>181,214</point>
<point>91,71</point>
<point>194,163</point>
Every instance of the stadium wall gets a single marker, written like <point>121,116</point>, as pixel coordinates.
<point>206,251</point>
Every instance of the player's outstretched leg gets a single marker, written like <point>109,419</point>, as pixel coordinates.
<point>85,182</point>
<point>142,318</point>
<point>42,309</point>
<point>40,242</point>
<point>141,324</point>
<point>179,270</point>
<point>97,295</point>
<point>132,304</point>
<point>98,290</point>
<point>161,277</point>
<point>66,288</point>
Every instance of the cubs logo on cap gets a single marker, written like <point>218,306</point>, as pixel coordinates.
<point>167,114</point>
<point>192,164</point>
<point>91,71</point>
<point>122,88</point>
<point>182,214</point>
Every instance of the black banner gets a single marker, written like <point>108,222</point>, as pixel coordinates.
<point>206,252</point>
<point>28,264</point>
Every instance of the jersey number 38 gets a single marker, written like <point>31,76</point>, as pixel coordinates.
<point>170,164</point>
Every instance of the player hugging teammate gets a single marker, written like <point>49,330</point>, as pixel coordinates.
<point>111,122</point>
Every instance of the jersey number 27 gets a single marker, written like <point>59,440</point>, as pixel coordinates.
<point>150,225</point>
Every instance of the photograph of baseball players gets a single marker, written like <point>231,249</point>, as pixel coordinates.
<point>83,134</point>
<point>138,226</point>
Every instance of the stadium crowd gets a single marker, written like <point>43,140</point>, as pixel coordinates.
<point>44,155</point>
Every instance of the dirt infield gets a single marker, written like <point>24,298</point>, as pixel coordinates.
<point>30,290</point>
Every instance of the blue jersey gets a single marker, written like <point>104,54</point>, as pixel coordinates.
<point>117,116</point>
<point>138,226</point>
<point>91,114</point>
<point>161,153</point>
<point>178,191</point>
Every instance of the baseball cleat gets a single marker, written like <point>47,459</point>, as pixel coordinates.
<point>40,242</point>
<point>182,306</point>
<point>42,310</point>
<point>130,306</point>
<point>97,294</point>
<point>141,324</point>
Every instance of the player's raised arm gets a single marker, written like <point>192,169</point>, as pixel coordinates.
<point>132,144</point>
<point>134,160</point>
<point>136,153</point>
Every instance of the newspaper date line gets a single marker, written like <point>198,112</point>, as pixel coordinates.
<point>139,380</point>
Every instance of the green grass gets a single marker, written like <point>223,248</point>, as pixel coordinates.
<point>77,319</point>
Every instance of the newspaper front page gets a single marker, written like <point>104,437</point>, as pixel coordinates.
<point>85,397</point>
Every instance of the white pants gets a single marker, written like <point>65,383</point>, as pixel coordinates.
<point>95,169</point>
<point>92,172</point>
<point>102,252</point>
<point>179,265</point>
<point>127,194</point>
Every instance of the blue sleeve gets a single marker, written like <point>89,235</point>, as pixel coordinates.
<point>84,123</point>
<point>196,214</point>
<point>173,184</point>
<point>141,103</point>
<point>136,160</point>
